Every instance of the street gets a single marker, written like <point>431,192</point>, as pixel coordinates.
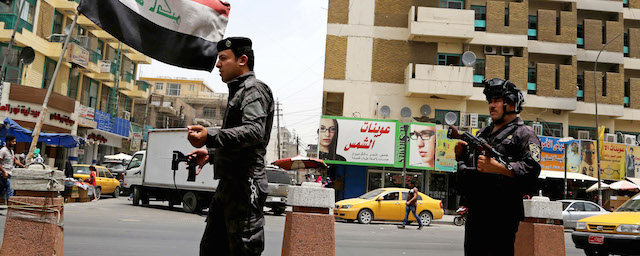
<point>115,227</point>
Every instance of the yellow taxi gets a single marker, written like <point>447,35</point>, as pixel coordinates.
<point>106,183</point>
<point>612,233</point>
<point>387,204</point>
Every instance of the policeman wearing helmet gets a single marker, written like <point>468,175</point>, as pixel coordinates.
<point>493,192</point>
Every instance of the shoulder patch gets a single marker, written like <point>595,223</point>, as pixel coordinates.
<point>534,149</point>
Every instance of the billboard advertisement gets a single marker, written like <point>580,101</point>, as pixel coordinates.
<point>552,155</point>
<point>632,162</point>
<point>612,161</point>
<point>422,146</point>
<point>445,152</point>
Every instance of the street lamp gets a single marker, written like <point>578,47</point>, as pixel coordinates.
<point>564,141</point>
<point>595,92</point>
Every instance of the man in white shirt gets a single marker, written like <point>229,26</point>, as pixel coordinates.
<point>7,161</point>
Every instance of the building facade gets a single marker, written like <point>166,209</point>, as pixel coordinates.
<point>87,76</point>
<point>408,54</point>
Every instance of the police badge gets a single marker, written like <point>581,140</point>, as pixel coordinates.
<point>535,151</point>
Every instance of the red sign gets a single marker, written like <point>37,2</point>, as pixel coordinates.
<point>97,137</point>
<point>594,239</point>
<point>26,111</point>
<point>61,118</point>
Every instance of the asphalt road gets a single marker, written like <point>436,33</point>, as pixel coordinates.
<point>115,227</point>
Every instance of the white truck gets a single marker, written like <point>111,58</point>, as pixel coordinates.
<point>149,175</point>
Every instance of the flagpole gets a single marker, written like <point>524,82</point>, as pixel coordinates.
<point>13,36</point>
<point>38,127</point>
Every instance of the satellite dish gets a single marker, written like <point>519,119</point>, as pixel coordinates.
<point>27,55</point>
<point>637,138</point>
<point>385,111</point>
<point>425,110</point>
<point>405,112</point>
<point>450,118</point>
<point>468,58</point>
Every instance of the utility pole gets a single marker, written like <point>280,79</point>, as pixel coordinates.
<point>278,126</point>
<point>297,145</point>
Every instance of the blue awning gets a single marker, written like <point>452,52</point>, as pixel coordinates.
<point>22,134</point>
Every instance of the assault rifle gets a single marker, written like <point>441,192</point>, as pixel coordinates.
<point>476,146</point>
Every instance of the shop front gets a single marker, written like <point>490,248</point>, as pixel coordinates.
<point>105,139</point>
<point>23,105</point>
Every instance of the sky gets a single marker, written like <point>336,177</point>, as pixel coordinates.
<point>289,46</point>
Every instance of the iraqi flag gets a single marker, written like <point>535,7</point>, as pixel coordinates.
<point>182,33</point>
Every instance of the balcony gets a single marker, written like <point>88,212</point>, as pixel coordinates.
<point>603,109</point>
<point>64,5</point>
<point>605,56</point>
<point>631,63</point>
<point>631,14</point>
<point>139,58</point>
<point>423,79</point>
<point>441,24</point>
<point>600,5</point>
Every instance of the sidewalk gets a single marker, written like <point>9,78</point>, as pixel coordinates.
<point>446,219</point>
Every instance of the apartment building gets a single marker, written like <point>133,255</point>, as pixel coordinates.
<point>87,77</point>
<point>208,106</point>
<point>408,54</point>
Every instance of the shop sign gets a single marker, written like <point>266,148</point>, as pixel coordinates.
<point>552,155</point>
<point>136,141</point>
<point>612,161</point>
<point>78,55</point>
<point>26,111</point>
<point>87,112</point>
<point>116,126</point>
<point>80,152</point>
<point>105,66</point>
<point>445,152</point>
<point>358,141</point>
<point>97,137</point>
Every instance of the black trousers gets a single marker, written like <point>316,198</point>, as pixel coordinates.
<point>486,234</point>
<point>235,223</point>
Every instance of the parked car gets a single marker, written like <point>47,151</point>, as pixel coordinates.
<point>116,167</point>
<point>612,233</point>
<point>574,210</point>
<point>279,182</point>
<point>105,182</point>
<point>387,204</point>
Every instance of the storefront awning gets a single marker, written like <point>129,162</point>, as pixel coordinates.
<point>22,134</point>
<point>560,175</point>
<point>634,180</point>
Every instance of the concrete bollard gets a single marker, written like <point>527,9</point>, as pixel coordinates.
<point>309,228</point>
<point>35,214</point>
<point>541,233</point>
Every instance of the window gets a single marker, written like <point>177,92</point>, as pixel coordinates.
<point>447,59</point>
<point>333,104</point>
<point>604,85</point>
<point>506,68</point>
<point>578,206</point>
<point>405,196</point>
<point>590,207</point>
<point>478,73</point>
<point>573,131</point>
<point>580,40</point>
<point>626,44</point>
<point>558,25</point>
<point>392,196</point>
<point>173,89</point>
<point>506,16</point>
<point>13,72</point>
<point>580,83</point>
<point>57,23</point>
<point>480,17</point>
<point>128,103</point>
<point>533,27</point>
<point>548,128</point>
<point>557,77</point>
<point>49,68</point>
<point>192,87</point>
<point>93,93</point>
<point>74,79</point>
<point>101,173</point>
<point>28,12</point>
<point>532,80</point>
<point>159,86</point>
<point>604,34</point>
<point>625,3</point>
<point>627,94</point>
<point>209,112</point>
<point>452,4</point>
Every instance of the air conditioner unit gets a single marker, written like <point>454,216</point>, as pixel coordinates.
<point>532,64</point>
<point>610,137</point>
<point>583,135</point>
<point>57,38</point>
<point>629,139</point>
<point>506,51</point>
<point>85,41</point>
<point>488,49</point>
<point>537,128</point>
<point>126,115</point>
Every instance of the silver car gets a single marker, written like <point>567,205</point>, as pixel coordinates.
<point>279,182</point>
<point>574,210</point>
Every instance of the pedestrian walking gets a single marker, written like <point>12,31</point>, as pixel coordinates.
<point>235,222</point>
<point>7,161</point>
<point>411,205</point>
<point>493,192</point>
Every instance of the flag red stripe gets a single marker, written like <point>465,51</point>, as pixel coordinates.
<point>222,8</point>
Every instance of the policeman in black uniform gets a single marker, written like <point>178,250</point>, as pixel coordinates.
<point>235,221</point>
<point>493,192</point>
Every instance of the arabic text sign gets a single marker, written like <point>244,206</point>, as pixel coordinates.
<point>552,155</point>
<point>612,161</point>
<point>445,152</point>
<point>78,55</point>
<point>357,141</point>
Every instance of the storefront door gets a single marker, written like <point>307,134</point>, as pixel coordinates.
<point>386,179</point>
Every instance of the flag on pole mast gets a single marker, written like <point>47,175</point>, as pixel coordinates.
<point>182,33</point>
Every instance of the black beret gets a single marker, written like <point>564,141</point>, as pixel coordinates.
<point>234,43</point>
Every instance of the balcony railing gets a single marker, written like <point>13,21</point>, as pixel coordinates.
<point>440,23</point>
<point>95,57</point>
<point>10,21</point>
<point>439,80</point>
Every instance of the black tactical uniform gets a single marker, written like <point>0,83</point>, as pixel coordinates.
<point>494,200</point>
<point>235,221</point>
